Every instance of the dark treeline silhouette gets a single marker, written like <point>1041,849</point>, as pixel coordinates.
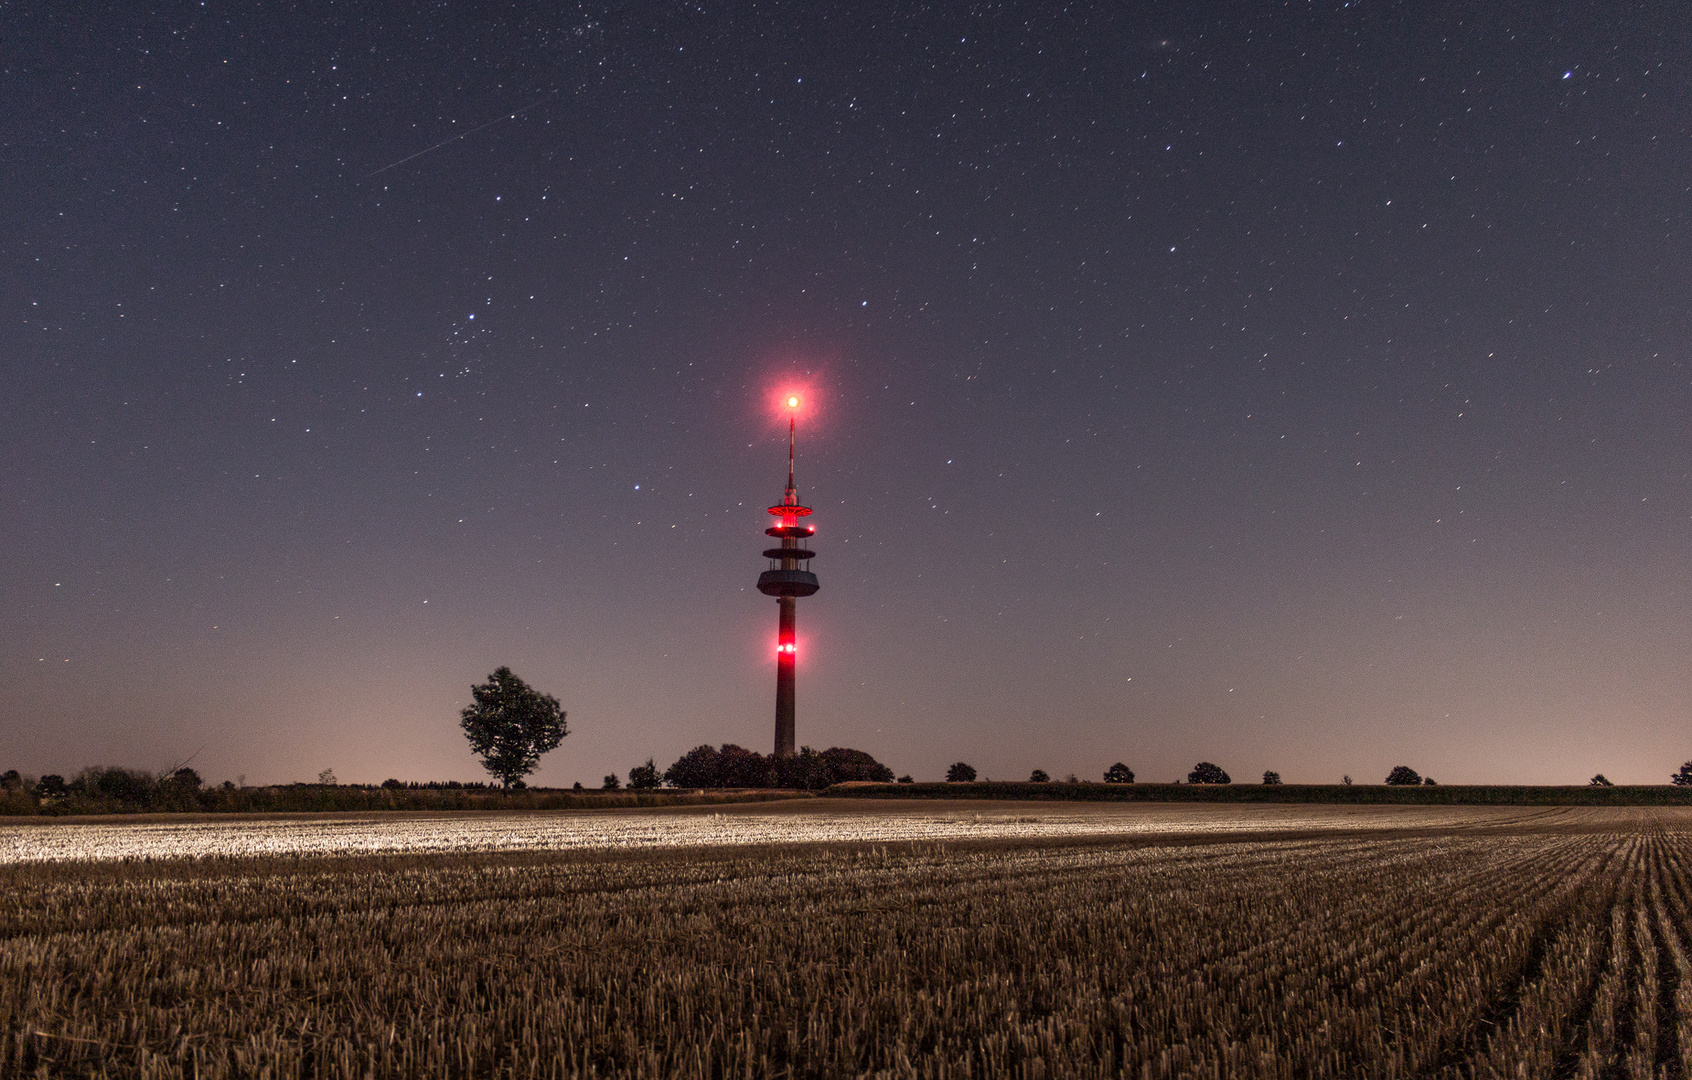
<point>731,766</point>
<point>115,790</point>
<point>108,790</point>
<point>442,785</point>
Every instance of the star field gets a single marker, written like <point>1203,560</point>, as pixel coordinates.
<point>1297,387</point>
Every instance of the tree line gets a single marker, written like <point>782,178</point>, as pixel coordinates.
<point>731,766</point>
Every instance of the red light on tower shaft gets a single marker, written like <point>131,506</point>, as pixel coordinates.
<point>786,580</point>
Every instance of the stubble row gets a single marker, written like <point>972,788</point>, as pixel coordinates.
<point>1462,954</point>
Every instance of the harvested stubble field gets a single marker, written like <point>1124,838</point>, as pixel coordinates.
<point>807,822</point>
<point>1387,942</point>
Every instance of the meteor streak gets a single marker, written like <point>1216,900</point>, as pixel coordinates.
<point>462,135</point>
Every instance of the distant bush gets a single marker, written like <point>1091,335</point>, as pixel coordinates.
<point>1038,776</point>
<point>1271,777</point>
<point>1683,778</point>
<point>1206,773</point>
<point>1403,776</point>
<point>960,773</point>
<point>1428,781</point>
<point>644,777</point>
<point>907,779</point>
<point>1597,781</point>
<point>1119,774</point>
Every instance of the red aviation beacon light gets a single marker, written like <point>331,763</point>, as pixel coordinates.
<point>787,581</point>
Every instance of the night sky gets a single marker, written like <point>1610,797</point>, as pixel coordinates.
<point>1300,387</point>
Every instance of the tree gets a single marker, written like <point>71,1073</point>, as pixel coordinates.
<point>186,778</point>
<point>842,765</point>
<point>126,786</point>
<point>1428,781</point>
<point>1346,779</point>
<point>805,771</point>
<point>510,725</point>
<point>1403,776</point>
<point>1038,776</point>
<point>907,779</point>
<point>731,766</point>
<point>51,786</point>
<point>1271,777</point>
<point>1597,781</point>
<point>327,778</point>
<point>611,783</point>
<point>738,767</point>
<point>1683,778</point>
<point>1119,774</point>
<point>644,777</point>
<point>695,769</point>
<point>960,773</point>
<point>11,780</point>
<point>1206,773</point>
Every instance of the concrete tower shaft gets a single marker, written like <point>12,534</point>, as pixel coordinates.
<point>787,581</point>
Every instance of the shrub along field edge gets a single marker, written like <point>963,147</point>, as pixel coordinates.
<point>1436,795</point>
<point>350,798</point>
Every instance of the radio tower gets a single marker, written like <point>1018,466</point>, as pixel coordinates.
<point>785,581</point>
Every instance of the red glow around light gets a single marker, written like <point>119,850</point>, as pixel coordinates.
<point>787,647</point>
<point>791,399</point>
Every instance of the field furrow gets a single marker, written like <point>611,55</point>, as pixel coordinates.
<point>1554,948</point>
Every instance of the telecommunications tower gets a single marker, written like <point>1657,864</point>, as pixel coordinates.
<point>787,581</point>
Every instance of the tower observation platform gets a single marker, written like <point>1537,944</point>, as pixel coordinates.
<point>788,578</point>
